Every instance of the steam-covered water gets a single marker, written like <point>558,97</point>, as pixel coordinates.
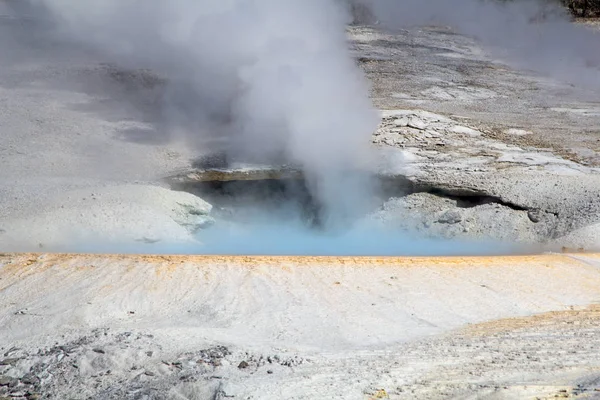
<point>294,239</point>
<point>276,232</point>
<point>280,218</point>
<point>290,239</point>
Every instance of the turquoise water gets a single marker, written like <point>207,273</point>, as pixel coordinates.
<point>285,232</point>
<point>281,240</point>
<point>291,239</point>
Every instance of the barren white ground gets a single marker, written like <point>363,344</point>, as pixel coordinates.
<point>129,327</point>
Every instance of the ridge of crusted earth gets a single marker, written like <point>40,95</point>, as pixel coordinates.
<point>528,142</point>
<point>543,193</point>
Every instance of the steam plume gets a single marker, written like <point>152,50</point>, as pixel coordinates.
<point>274,77</point>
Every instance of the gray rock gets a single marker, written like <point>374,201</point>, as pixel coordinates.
<point>450,217</point>
<point>197,222</point>
<point>148,240</point>
<point>30,379</point>
<point>535,215</point>
<point>402,122</point>
<point>7,381</point>
<point>243,365</point>
<point>67,348</point>
<point>9,361</point>
<point>417,123</point>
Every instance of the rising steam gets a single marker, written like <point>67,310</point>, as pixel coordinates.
<point>274,78</point>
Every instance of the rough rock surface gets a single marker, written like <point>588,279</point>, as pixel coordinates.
<point>558,195</point>
<point>468,123</point>
<point>437,216</point>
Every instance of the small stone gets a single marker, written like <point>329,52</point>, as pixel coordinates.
<point>463,130</point>
<point>98,350</point>
<point>33,396</point>
<point>270,371</point>
<point>149,353</point>
<point>535,216</point>
<point>11,350</point>
<point>201,222</point>
<point>416,123</point>
<point>380,394</point>
<point>9,361</point>
<point>30,379</point>
<point>67,348</point>
<point>450,217</point>
<point>148,240</point>
<point>149,373</point>
<point>243,365</point>
<point>7,381</point>
<point>17,394</point>
<point>402,122</point>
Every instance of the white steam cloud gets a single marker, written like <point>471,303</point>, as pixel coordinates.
<point>273,77</point>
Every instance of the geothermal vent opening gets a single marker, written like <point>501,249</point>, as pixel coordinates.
<point>267,210</point>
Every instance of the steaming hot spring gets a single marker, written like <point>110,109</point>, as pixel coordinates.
<point>271,210</point>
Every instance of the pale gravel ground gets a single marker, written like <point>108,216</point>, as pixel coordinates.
<point>324,328</point>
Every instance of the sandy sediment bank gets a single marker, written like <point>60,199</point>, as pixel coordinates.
<point>327,302</point>
<point>196,327</point>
